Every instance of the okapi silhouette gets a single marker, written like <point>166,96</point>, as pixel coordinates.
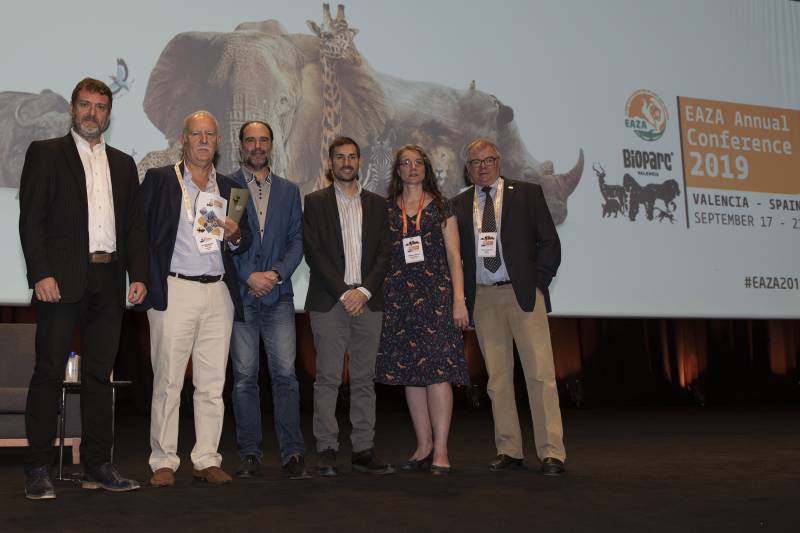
<point>610,192</point>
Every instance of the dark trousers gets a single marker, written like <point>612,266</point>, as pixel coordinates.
<point>98,316</point>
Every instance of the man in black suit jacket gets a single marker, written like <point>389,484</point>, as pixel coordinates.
<point>81,229</point>
<point>346,242</point>
<point>193,302</point>
<point>506,285</point>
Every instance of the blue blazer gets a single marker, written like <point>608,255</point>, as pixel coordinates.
<point>163,207</point>
<point>281,248</point>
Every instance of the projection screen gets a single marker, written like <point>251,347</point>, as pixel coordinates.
<point>665,135</point>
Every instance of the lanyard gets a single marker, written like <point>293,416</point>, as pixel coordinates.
<point>419,213</point>
<point>498,203</point>
<point>187,205</point>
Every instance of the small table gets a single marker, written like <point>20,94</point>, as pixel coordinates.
<point>74,387</point>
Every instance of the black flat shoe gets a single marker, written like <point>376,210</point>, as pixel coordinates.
<point>418,465</point>
<point>437,470</point>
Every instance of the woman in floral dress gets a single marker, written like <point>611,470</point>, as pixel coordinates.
<point>421,346</point>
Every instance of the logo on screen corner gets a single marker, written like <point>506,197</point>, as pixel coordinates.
<point>657,201</point>
<point>646,114</point>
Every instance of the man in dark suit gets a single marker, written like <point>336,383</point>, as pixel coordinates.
<point>275,216</point>
<point>193,300</point>
<point>81,230</point>
<point>506,285</point>
<point>346,242</point>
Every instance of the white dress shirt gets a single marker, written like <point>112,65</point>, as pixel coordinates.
<point>350,218</point>
<point>99,198</point>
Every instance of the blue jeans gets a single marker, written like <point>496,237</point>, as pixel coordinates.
<point>275,324</point>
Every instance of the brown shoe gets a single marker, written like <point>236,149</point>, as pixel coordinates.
<point>213,474</point>
<point>163,477</point>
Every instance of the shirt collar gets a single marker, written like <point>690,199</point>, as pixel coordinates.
<point>493,187</point>
<point>250,176</point>
<point>83,144</point>
<point>212,178</point>
<point>342,194</point>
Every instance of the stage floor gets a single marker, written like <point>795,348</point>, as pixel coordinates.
<point>629,469</point>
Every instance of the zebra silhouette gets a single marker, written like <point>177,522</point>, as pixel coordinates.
<point>380,158</point>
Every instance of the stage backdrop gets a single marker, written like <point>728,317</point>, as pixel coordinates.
<point>666,135</point>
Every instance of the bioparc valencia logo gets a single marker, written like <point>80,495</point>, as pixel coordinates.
<point>646,115</point>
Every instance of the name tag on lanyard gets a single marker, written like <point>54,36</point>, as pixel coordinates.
<point>205,241</point>
<point>412,246</point>
<point>487,244</point>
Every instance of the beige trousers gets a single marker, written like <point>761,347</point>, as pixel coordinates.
<point>197,323</point>
<point>499,323</point>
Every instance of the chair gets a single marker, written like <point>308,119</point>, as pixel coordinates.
<point>16,367</point>
<point>74,388</point>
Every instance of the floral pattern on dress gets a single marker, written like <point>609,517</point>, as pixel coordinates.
<point>419,344</point>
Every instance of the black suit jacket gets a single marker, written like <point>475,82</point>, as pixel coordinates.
<point>163,207</point>
<point>54,216</point>
<point>531,249</point>
<point>324,248</point>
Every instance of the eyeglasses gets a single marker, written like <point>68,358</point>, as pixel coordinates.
<point>488,162</point>
<point>408,163</point>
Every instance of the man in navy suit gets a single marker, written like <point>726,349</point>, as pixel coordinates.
<point>275,217</point>
<point>511,253</point>
<point>192,304</point>
<point>81,229</point>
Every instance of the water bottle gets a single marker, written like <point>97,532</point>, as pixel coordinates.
<point>73,368</point>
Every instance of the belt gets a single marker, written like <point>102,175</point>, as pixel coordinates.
<point>102,257</point>
<point>497,284</point>
<point>200,279</point>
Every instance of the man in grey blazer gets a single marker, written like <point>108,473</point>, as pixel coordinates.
<point>346,242</point>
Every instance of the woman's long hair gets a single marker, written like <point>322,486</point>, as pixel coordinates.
<point>428,182</point>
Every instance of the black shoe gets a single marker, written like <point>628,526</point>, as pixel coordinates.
<point>38,485</point>
<point>295,468</point>
<point>505,462</point>
<point>418,465</point>
<point>368,463</point>
<point>106,477</point>
<point>437,470</point>
<point>249,467</point>
<point>326,463</point>
<point>552,467</point>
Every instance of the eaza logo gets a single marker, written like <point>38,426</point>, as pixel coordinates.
<point>646,115</point>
